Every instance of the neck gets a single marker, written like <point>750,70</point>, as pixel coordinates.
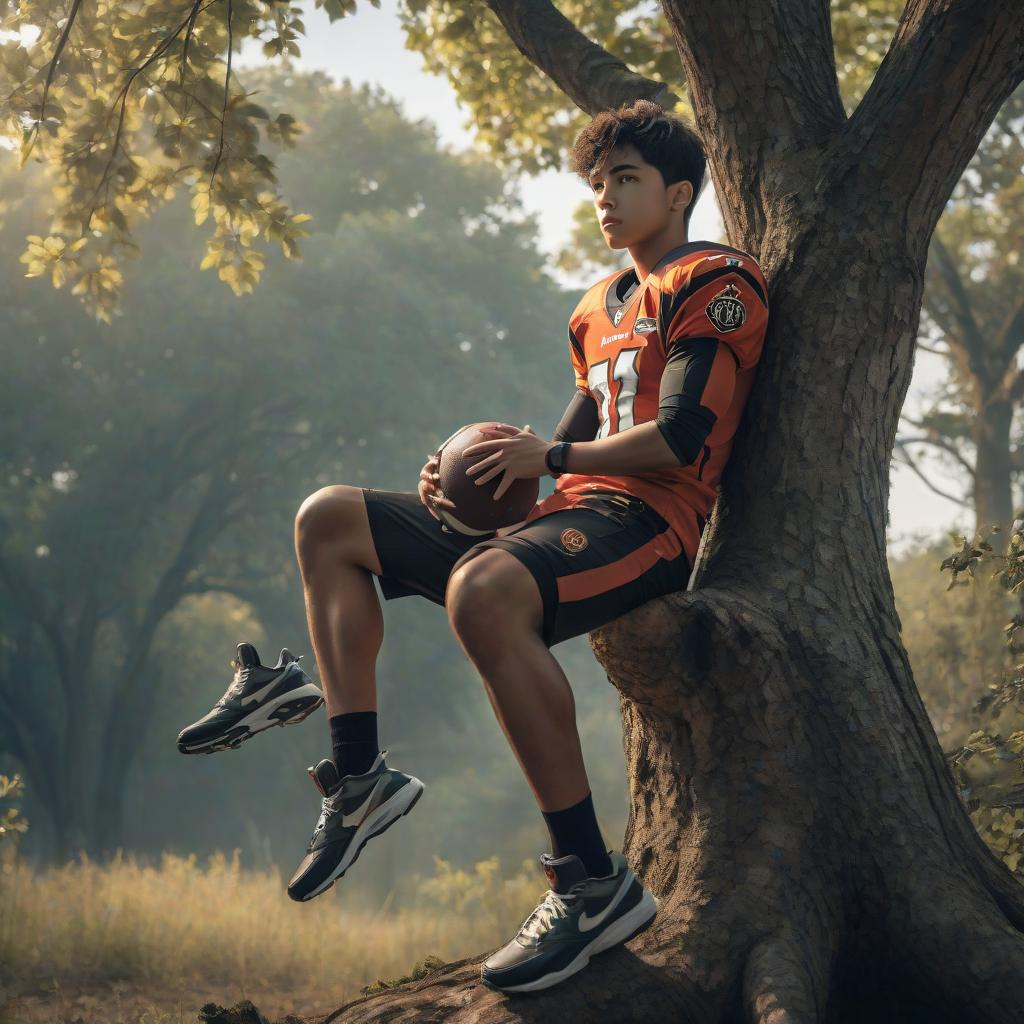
<point>646,254</point>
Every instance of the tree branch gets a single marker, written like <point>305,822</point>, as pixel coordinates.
<point>1011,335</point>
<point>939,442</point>
<point>1015,384</point>
<point>972,338</point>
<point>908,461</point>
<point>790,100</point>
<point>589,75</point>
<point>949,68</point>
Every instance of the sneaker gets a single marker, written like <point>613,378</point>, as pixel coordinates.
<point>258,698</point>
<point>578,917</point>
<point>354,809</point>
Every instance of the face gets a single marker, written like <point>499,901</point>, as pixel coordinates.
<point>630,191</point>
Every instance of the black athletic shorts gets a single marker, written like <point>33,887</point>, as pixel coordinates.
<point>592,563</point>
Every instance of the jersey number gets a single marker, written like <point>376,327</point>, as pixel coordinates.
<point>625,372</point>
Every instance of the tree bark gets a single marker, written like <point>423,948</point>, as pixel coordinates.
<point>791,805</point>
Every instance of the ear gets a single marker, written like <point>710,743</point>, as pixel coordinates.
<point>682,196</point>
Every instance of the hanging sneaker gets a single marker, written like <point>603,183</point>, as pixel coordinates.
<point>354,809</point>
<point>578,917</point>
<point>258,698</point>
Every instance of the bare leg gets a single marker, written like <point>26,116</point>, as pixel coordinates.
<point>334,548</point>
<point>528,690</point>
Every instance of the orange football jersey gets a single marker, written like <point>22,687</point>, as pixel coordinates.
<point>619,343</point>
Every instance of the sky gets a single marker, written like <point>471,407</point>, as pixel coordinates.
<point>369,46</point>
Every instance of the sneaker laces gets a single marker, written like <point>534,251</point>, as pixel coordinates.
<point>328,805</point>
<point>553,906</point>
<point>238,683</point>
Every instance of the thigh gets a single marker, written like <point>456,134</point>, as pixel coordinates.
<point>596,561</point>
<point>415,550</point>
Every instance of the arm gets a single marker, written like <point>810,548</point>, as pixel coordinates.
<point>696,388</point>
<point>579,422</point>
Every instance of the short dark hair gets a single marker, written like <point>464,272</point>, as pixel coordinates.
<point>664,139</point>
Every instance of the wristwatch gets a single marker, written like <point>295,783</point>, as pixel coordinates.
<point>555,458</point>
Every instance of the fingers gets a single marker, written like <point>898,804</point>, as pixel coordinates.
<point>429,490</point>
<point>428,500</point>
<point>489,475</point>
<point>484,462</point>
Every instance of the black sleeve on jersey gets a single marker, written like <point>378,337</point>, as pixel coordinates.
<point>579,422</point>
<point>682,420</point>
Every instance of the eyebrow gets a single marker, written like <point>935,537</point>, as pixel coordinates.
<point>619,167</point>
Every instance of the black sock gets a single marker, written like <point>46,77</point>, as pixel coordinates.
<point>575,830</point>
<point>354,742</point>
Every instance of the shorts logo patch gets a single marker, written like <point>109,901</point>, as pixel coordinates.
<point>573,540</point>
<point>726,311</point>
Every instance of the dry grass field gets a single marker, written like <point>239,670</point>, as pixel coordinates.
<point>131,943</point>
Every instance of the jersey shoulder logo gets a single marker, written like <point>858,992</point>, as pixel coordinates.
<point>645,324</point>
<point>617,317</point>
<point>726,311</point>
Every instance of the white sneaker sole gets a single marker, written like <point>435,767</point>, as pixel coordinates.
<point>378,820</point>
<point>624,928</point>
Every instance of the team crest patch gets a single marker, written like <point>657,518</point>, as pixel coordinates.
<point>726,311</point>
<point>644,325</point>
<point>573,540</point>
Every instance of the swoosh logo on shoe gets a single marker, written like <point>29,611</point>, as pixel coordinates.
<point>356,816</point>
<point>586,923</point>
<point>257,695</point>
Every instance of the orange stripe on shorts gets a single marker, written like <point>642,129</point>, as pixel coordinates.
<point>578,586</point>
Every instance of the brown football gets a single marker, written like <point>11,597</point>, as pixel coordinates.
<point>476,512</point>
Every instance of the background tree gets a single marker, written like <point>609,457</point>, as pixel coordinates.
<point>787,894</point>
<point>974,310</point>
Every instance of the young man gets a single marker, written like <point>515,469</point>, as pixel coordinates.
<point>663,355</point>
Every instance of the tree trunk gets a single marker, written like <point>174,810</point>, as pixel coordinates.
<point>993,499</point>
<point>791,806</point>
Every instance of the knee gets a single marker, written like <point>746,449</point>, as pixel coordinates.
<point>321,520</point>
<point>471,598</point>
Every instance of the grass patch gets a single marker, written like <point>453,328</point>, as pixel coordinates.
<point>180,933</point>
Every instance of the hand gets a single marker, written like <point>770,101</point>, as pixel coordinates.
<point>520,456</point>
<point>429,490</point>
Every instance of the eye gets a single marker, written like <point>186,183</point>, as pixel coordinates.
<point>623,177</point>
<point>596,187</point>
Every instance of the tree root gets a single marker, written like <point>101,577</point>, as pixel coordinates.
<point>786,981</point>
<point>961,952</point>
